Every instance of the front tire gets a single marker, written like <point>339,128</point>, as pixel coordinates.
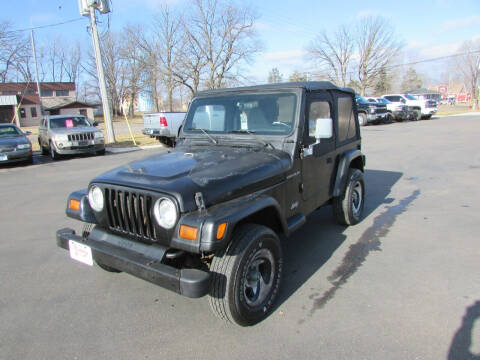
<point>53,153</point>
<point>348,206</point>
<point>246,276</point>
<point>362,119</point>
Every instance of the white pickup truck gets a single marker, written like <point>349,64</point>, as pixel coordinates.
<point>163,126</point>
<point>426,108</point>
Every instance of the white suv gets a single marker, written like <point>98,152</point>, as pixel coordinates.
<point>425,108</point>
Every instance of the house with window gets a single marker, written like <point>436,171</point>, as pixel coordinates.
<point>21,103</point>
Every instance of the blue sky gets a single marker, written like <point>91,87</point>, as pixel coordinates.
<point>427,28</point>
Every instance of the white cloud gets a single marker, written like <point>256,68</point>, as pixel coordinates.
<point>285,56</point>
<point>460,23</point>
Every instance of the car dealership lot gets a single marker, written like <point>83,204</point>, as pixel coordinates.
<point>403,284</point>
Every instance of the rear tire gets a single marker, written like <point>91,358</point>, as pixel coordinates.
<point>246,276</point>
<point>348,206</point>
<point>101,152</point>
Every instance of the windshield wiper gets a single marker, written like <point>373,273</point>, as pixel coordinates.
<point>251,132</point>
<point>215,141</point>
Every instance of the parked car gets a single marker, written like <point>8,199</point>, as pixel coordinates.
<point>163,126</point>
<point>397,112</point>
<point>14,145</point>
<point>208,216</point>
<point>420,109</point>
<point>68,135</point>
<point>370,112</point>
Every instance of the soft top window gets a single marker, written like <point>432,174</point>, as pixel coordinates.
<point>7,131</point>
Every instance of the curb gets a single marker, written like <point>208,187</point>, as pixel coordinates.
<point>463,114</point>
<point>114,150</point>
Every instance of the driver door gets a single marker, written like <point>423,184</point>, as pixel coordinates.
<point>317,166</point>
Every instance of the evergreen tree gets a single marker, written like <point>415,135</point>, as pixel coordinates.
<point>274,76</point>
<point>411,81</point>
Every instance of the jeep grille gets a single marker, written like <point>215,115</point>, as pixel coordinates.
<point>81,136</point>
<point>129,213</point>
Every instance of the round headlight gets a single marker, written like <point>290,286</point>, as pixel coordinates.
<point>95,198</point>
<point>165,213</point>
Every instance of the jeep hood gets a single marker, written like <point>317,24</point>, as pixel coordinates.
<point>219,173</point>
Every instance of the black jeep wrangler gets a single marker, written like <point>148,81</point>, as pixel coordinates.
<point>206,217</point>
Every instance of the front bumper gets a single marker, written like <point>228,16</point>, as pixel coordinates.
<point>429,111</point>
<point>140,260</point>
<point>374,117</point>
<point>157,132</point>
<point>73,149</point>
<point>14,156</point>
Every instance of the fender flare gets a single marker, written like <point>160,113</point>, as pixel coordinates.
<point>232,213</point>
<point>342,170</point>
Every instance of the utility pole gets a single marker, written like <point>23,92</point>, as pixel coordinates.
<point>36,70</point>
<point>101,78</point>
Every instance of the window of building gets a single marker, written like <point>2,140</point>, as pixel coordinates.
<point>47,92</point>
<point>346,122</point>
<point>29,92</point>
<point>33,112</point>
<point>83,112</point>
<point>22,113</point>
<point>9,93</point>
<point>61,92</point>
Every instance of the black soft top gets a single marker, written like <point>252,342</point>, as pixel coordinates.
<point>307,85</point>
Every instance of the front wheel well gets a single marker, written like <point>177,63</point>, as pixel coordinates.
<point>357,163</point>
<point>268,217</point>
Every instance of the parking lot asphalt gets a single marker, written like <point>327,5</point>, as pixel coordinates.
<point>402,284</point>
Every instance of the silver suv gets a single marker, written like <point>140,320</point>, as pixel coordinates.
<point>68,135</point>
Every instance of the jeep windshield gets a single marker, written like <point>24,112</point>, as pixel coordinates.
<point>249,114</point>
<point>69,122</point>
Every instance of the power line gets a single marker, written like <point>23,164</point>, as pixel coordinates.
<point>49,25</point>
<point>412,63</point>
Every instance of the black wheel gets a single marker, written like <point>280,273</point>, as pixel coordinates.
<point>101,152</point>
<point>107,268</point>
<point>53,153</point>
<point>428,117</point>
<point>42,149</point>
<point>388,119</point>
<point>362,119</point>
<point>29,161</point>
<point>348,206</point>
<point>246,276</point>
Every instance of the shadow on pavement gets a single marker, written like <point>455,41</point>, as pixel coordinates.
<point>309,248</point>
<point>462,340</point>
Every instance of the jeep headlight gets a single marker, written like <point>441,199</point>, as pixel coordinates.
<point>372,109</point>
<point>98,135</point>
<point>165,213</point>
<point>95,198</point>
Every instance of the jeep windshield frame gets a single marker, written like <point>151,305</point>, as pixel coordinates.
<point>244,115</point>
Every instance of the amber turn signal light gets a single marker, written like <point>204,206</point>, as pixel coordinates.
<point>74,205</point>
<point>188,232</point>
<point>221,230</point>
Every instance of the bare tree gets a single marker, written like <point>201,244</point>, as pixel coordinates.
<point>134,63</point>
<point>377,45</point>
<point>14,54</point>
<point>333,53</point>
<point>169,34</point>
<point>469,65</point>
<point>225,37</point>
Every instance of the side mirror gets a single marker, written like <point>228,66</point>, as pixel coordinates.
<point>323,129</point>
<point>28,133</point>
<point>95,123</point>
